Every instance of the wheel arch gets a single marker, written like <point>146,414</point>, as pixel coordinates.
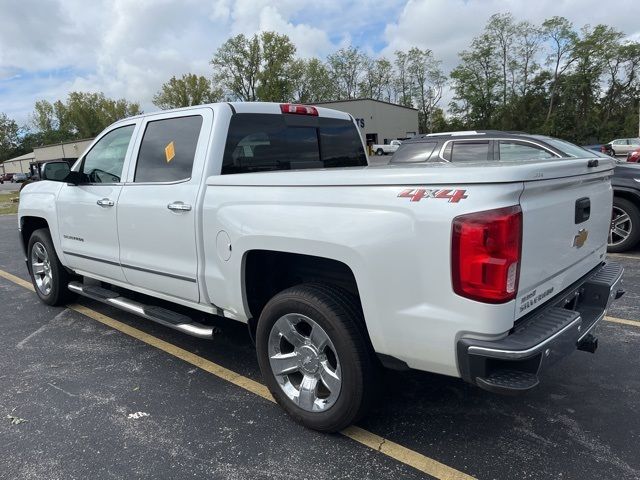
<point>628,194</point>
<point>267,272</point>
<point>28,225</point>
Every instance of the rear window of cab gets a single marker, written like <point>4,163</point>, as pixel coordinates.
<point>266,142</point>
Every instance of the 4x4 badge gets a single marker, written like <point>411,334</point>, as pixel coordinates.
<point>417,194</point>
<point>580,239</point>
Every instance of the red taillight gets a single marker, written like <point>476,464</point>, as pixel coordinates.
<point>298,109</point>
<point>485,254</point>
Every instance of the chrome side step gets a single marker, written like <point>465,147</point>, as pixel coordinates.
<point>160,315</point>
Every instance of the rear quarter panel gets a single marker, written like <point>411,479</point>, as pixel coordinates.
<point>397,249</point>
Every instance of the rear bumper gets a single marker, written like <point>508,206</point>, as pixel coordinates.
<point>513,363</point>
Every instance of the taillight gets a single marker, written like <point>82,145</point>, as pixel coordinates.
<point>485,254</point>
<point>298,109</point>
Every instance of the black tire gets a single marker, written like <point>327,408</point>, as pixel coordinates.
<point>634,220</point>
<point>379,152</point>
<point>613,152</point>
<point>59,294</point>
<point>339,315</point>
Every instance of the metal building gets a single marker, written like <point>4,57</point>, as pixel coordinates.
<point>69,151</point>
<point>379,122</point>
<point>17,164</point>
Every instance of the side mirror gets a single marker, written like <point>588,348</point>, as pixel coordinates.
<point>55,171</point>
<point>74,178</point>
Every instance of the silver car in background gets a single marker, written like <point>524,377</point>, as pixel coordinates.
<point>622,146</point>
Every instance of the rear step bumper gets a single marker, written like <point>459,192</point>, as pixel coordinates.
<point>513,363</point>
<point>160,315</point>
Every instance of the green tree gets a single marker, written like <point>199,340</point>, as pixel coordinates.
<point>402,79</point>
<point>190,89</point>
<point>274,79</point>
<point>256,68</point>
<point>346,69</point>
<point>475,84</point>
<point>428,80</point>
<point>527,46</point>
<point>9,137</point>
<point>237,65</point>
<point>83,115</point>
<point>559,32</point>
<point>311,81</point>
<point>89,113</point>
<point>619,103</point>
<point>501,31</point>
<point>377,76</point>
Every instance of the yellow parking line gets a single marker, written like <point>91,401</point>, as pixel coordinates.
<point>404,455</point>
<point>391,449</point>
<point>632,257</point>
<point>16,280</point>
<point>623,321</point>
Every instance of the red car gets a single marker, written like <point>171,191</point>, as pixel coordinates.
<point>634,156</point>
<point>6,177</point>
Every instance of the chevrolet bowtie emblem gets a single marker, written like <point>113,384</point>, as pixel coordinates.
<point>580,239</point>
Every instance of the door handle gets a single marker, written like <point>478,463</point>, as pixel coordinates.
<point>105,202</point>
<point>179,207</point>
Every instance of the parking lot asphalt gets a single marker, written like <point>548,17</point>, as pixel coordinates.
<point>9,187</point>
<point>99,403</point>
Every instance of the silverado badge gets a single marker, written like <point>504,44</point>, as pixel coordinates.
<point>580,239</point>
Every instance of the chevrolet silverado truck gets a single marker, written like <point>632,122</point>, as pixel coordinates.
<point>268,214</point>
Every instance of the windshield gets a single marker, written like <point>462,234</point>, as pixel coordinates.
<point>569,149</point>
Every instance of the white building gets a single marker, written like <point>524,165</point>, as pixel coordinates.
<point>69,151</point>
<point>379,122</point>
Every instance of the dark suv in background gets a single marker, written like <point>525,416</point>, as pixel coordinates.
<point>490,145</point>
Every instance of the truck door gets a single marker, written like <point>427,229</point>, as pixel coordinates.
<point>87,212</point>
<point>157,208</point>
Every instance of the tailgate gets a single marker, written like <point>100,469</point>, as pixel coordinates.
<point>565,228</point>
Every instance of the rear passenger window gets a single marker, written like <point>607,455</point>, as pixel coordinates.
<point>513,151</point>
<point>266,142</point>
<point>168,149</point>
<point>473,151</point>
<point>414,152</point>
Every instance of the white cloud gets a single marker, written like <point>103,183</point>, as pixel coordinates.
<point>128,48</point>
<point>447,26</point>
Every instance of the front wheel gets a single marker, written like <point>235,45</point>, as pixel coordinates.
<point>314,356</point>
<point>624,231</point>
<point>48,275</point>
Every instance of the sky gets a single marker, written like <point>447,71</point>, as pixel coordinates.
<point>129,48</point>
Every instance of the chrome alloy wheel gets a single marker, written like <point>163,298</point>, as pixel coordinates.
<point>621,226</point>
<point>41,268</point>
<point>304,362</point>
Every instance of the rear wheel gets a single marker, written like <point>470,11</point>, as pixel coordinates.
<point>379,152</point>
<point>49,277</point>
<point>624,230</point>
<point>314,356</point>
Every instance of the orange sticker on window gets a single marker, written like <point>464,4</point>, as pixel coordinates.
<point>169,152</point>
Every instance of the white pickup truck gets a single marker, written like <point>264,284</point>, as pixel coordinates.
<point>385,149</point>
<point>269,215</point>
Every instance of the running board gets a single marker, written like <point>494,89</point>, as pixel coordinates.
<point>160,315</point>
